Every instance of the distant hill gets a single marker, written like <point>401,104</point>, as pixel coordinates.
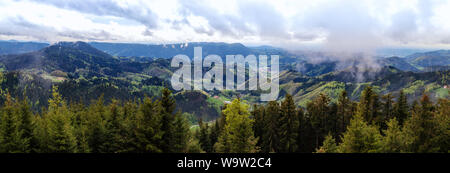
<point>310,69</point>
<point>400,52</point>
<point>64,56</point>
<point>384,80</point>
<point>83,73</point>
<point>16,47</point>
<point>398,63</point>
<point>429,59</point>
<point>170,50</point>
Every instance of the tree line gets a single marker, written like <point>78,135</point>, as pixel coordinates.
<point>374,124</point>
<point>147,125</point>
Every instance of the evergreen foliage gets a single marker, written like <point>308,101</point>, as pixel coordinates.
<point>150,125</point>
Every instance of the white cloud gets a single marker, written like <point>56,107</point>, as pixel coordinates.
<point>338,25</point>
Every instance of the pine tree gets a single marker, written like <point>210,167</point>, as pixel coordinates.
<point>328,146</point>
<point>194,146</point>
<point>61,138</point>
<point>215,132</point>
<point>259,126</point>
<point>401,110</point>
<point>421,127</point>
<point>332,120</point>
<point>204,139</point>
<point>387,111</point>
<point>306,139</point>
<point>97,126</point>
<point>40,134</point>
<point>271,136</point>
<point>289,125</point>
<point>360,137</point>
<point>131,126</point>
<point>223,118</point>
<point>148,132</point>
<point>344,111</point>
<point>112,128</point>
<point>82,138</point>
<point>394,140</point>
<point>167,104</point>
<point>12,136</point>
<point>79,122</point>
<point>181,134</point>
<point>442,120</point>
<point>237,136</point>
<point>319,110</point>
<point>26,125</point>
<point>369,105</point>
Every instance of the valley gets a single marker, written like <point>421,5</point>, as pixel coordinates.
<point>85,71</point>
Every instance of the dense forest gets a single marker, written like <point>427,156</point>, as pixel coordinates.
<point>377,123</point>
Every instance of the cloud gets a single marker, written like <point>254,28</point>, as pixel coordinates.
<point>404,26</point>
<point>352,26</point>
<point>346,26</point>
<point>19,26</point>
<point>136,11</point>
<point>225,24</point>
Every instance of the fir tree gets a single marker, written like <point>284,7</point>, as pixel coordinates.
<point>26,125</point>
<point>259,126</point>
<point>40,134</point>
<point>167,104</point>
<point>289,125</point>
<point>148,127</point>
<point>181,134</point>
<point>194,146</point>
<point>215,132</point>
<point>368,106</point>
<point>97,126</point>
<point>130,127</point>
<point>442,121</point>
<point>401,110</point>
<point>205,141</point>
<point>61,138</point>
<point>319,110</point>
<point>237,136</point>
<point>12,136</point>
<point>81,130</point>
<point>360,137</point>
<point>421,127</point>
<point>328,146</point>
<point>344,111</point>
<point>112,128</point>
<point>387,111</point>
<point>271,137</point>
<point>306,139</point>
<point>394,140</point>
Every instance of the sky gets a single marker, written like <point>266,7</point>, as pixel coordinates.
<point>336,25</point>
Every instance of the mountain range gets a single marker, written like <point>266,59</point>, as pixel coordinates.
<point>16,47</point>
<point>85,71</point>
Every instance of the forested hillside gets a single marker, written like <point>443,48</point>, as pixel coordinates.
<point>377,123</point>
<point>83,73</point>
<point>71,97</point>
